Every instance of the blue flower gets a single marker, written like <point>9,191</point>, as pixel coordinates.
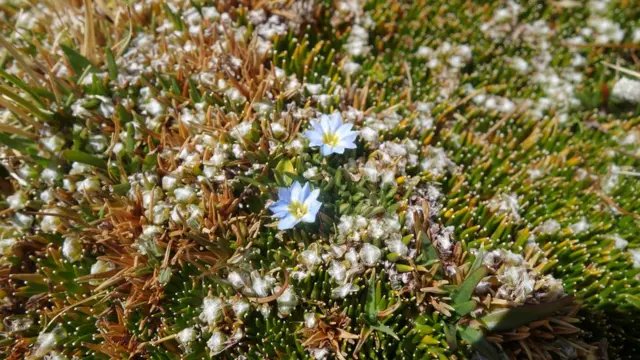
<point>296,204</point>
<point>331,134</point>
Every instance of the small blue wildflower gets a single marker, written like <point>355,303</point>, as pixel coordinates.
<point>331,134</point>
<point>295,204</point>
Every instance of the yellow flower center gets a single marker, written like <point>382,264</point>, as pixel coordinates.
<point>297,209</point>
<point>330,139</point>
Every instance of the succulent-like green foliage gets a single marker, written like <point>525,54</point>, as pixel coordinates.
<point>489,209</point>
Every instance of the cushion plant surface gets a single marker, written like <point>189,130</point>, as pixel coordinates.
<point>319,179</point>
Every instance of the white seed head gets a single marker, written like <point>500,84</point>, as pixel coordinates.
<point>100,266</point>
<point>580,226</point>
<point>627,90</point>
<point>186,336</point>
<point>17,201</point>
<point>240,308</point>
<point>310,257</point>
<point>342,291</point>
<point>50,223</point>
<point>22,220</point>
<point>211,310</point>
<point>635,257</point>
<point>169,182</point>
<point>6,245</point>
<point>53,143</point>
<point>352,257</point>
<point>185,195</point>
<point>310,320</point>
<point>287,301</point>
<point>370,254</point>
<point>260,286</point>
<point>72,248</point>
<point>216,342</point>
<point>337,271</point>
<point>89,185</point>
<point>47,341</point>
<point>236,280</point>
<point>619,241</point>
<point>397,246</point>
<point>548,227</point>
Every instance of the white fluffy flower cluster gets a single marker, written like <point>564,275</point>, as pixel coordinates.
<point>506,204</point>
<point>422,194</point>
<point>503,21</point>
<point>517,280</point>
<point>626,89</point>
<point>358,228</point>
<point>354,251</point>
<point>392,158</point>
<point>446,61</point>
<point>214,309</point>
<point>373,127</point>
<point>254,285</point>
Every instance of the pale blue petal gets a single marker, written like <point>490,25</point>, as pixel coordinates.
<point>317,126</point>
<point>344,130</point>
<point>312,212</point>
<point>347,144</point>
<point>287,223</point>
<point>313,196</point>
<point>284,194</point>
<point>314,207</point>
<point>325,123</point>
<point>296,189</point>
<point>315,138</point>
<point>351,136</point>
<point>338,149</point>
<point>327,150</point>
<point>306,190</point>
<point>280,209</point>
<point>336,122</point>
<point>281,215</point>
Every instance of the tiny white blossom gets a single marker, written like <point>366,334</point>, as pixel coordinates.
<point>53,143</point>
<point>6,245</point>
<point>17,200</point>
<point>211,310</point>
<point>580,226</point>
<point>169,182</point>
<point>635,257</point>
<point>342,291</point>
<point>47,341</point>
<point>72,248</point>
<point>548,227</point>
<point>287,301</point>
<point>50,223</point>
<point>627,90</point>
<point>261,287</point>
<point>310,320</point>
<point>618,241</point>
<point>186,336</point>
<point>236,280</point>
<point>240,308</point>
<point>370,254</point>
<point>216,342</point>
<point>99,267</point>
<point>185,194</point>
<point>397,246</point>
<point>337,271</point>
